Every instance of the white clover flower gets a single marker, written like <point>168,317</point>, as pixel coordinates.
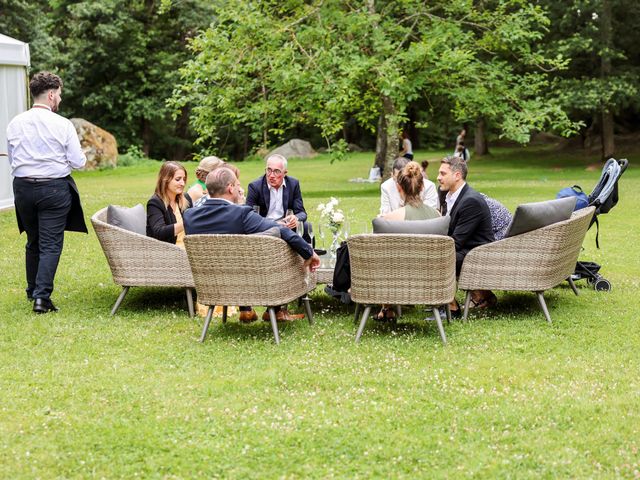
<point>333,201</point>
<point>338,217</point>
<point>320,207</point>
<point>594,16</point>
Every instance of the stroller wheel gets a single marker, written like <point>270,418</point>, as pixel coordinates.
<point>602,285</point>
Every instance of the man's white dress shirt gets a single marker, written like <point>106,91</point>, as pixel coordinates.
<point>43,144</point>
<point>276,208</point>
<point>452,197</point>
<point>390,199</point>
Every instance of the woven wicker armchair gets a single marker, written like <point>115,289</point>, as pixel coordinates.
<point>534,261</point>
<point>139,261</point>
<point>402,269</point>
<point>247,270</point>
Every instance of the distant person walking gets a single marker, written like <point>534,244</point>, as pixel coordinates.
<point>407,148</point>
<point>460,150</point>
<point>461,137</point>
<point>43,150</point>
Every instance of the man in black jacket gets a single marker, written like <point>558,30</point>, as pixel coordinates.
<point>470,224</point>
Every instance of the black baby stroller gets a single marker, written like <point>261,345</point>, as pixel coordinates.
<point>604,197</point>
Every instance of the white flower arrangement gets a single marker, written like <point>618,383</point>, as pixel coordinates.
<point>333,216</point>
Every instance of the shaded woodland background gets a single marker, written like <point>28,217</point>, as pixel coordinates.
<point>177,79</point>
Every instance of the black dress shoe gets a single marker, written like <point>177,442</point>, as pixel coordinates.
<point>43,305</point>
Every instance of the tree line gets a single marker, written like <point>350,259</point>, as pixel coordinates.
<point>185,77</point>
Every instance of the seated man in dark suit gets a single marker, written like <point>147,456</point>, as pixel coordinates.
<point>221,214</point>
<point>275,193</point>
<point>470,219</point>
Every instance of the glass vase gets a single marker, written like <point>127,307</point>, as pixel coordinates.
<point>335,243</point>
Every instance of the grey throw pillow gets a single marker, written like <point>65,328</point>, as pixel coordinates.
<point>530,216</point>
<point>133,219</point>
<point>433,226</point>
<point>271,232</point>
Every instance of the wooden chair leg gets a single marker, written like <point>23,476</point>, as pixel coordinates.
<point>123,294</point>
<point>543,305</point>
<point>363,322</point>
<point>224,314</point>
<point>207,321</point>
<point>274,325</point>
<point>190,303</point>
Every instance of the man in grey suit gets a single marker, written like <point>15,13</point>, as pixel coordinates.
<point>221,214</point>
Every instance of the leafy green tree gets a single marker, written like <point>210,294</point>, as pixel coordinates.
<point>265,65</point>
<point>602,81</point>
<point>120,59</point>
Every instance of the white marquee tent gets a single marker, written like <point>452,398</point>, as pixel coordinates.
<point>14,98</point>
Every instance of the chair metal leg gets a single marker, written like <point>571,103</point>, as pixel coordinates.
<point>448,309</point>
<point>467,303</point>
<point>307,308</point>
<point>207,321</point>
<point>398,311</point>
<point>363,322</point>
<point>224,314</point>
<point>190,303</point>
<point>358,309</point>
<point>436,313</point>
<point>123,294</point>
<point>543,305</point>
<point>573,286</point>
<point>274,324</point>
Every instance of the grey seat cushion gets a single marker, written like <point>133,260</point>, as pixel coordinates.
<point>271,232</point>
<point>433,226</point>
<point>530,216</point>
<point>133,219</point>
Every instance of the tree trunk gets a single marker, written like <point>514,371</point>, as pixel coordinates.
<point>481,146</point>
<point>381,142</point>
<point>608,143</point>
<point>393,142</point>
<point>146,136</point>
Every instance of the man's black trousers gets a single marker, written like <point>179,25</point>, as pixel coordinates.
<point>43,206</point>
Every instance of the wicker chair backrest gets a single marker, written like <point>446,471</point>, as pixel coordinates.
<point>403,269</point>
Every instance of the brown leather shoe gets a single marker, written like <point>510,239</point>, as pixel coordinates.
<point>284,316</point>
<point>248,316</point>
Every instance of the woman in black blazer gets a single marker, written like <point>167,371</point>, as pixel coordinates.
<point>165,207</point>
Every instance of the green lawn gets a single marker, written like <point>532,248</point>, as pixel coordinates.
<point>84,394</point>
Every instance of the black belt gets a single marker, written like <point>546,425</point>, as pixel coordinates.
<point>39,180</point>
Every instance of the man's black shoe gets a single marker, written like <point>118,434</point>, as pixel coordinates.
<point>43,305</point>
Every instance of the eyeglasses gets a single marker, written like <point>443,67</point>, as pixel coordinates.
<point>270,171</point>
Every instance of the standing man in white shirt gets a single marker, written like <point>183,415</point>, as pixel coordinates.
<point>390,198</point>
<point>43,150</point>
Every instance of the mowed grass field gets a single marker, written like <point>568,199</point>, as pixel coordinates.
<point>87,395</point>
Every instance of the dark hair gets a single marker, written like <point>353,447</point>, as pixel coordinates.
<point>218,179</point>
<point>424,164</point>
<point>457,164</point>
<point>43,81</point>
<point>165,175</point>
<point>412,183</point>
